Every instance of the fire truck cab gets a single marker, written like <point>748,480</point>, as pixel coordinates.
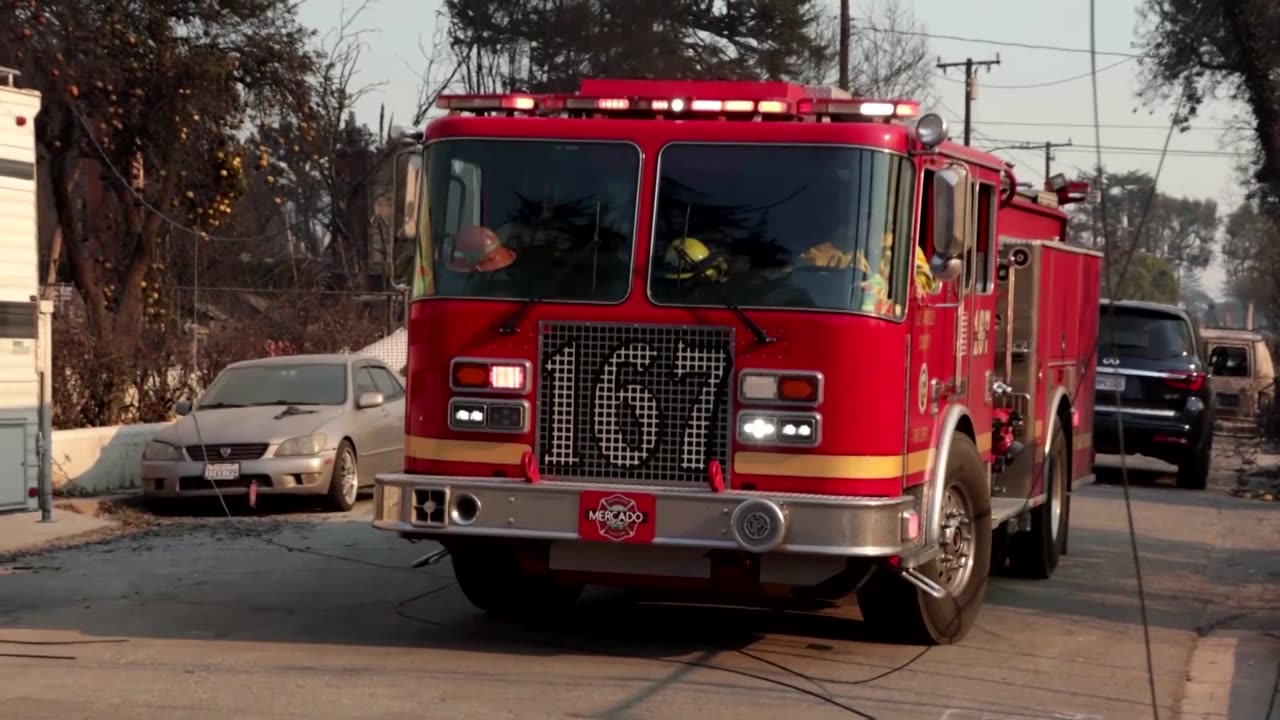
<point>747,338</point>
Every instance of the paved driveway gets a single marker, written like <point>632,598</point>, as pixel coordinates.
<point>207,618</point>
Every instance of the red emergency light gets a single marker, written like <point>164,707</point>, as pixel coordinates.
<point>1068,191</point>
<point>858,106</point>
<point>513,102</point>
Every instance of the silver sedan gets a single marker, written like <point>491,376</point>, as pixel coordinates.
<point>294,425</point>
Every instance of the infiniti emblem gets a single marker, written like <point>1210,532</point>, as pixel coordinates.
<point>1111,361</point>
<point>225,453</point>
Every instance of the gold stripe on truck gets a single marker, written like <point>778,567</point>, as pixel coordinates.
<point>852,467</point>
<point>475,451</point>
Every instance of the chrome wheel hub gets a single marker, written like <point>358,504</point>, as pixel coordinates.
<point>1056,479</point>
<point>350,478</point>
<point>955,563</point>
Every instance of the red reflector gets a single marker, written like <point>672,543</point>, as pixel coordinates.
<point>21,120</point>
<point>471,375</point>
<point>32,492</point>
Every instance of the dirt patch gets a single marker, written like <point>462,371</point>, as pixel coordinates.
<point>1260,484</point>
<point>130,519</point>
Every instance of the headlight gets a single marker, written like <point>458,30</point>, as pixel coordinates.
<point>307,445</point>
<point>755,428</point>
<point>157,450</point>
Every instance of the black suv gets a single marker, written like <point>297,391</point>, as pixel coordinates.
<point>1165,395</point>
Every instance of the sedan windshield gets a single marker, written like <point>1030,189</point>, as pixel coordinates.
<point>278,384</point>
<point>529,219</point>
<point>1144,335</point>
<point>782,226</point>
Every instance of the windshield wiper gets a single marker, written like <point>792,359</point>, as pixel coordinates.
<point>218,406</point>
<point>282,402</point>
<point>509,325</point>
<point>700,273</point>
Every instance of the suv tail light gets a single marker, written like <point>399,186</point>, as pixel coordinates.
<point>1191,381</point>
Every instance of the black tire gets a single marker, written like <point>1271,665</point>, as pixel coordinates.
<point>160,506</point>
<point>897,610</point>
<point>491,578</point>
<point>1193,472</point>
<point>1034,554</point>
<point>339,497</point>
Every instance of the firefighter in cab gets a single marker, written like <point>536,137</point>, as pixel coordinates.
<point>477,249</point>
<point>688,258</point>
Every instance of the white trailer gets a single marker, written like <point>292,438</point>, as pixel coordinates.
<point>25,327</point>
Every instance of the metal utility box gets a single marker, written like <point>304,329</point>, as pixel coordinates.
<point>25,329</point>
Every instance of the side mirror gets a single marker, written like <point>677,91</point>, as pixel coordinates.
<point>408,193</point>
<point>182,408</point>
<point>949,269</point>
<point>370,400</point>
<point>951,190</point>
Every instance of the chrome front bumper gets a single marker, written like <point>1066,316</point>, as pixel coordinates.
<point>420,505</point>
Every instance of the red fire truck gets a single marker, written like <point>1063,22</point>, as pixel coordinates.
<point>749,338</point>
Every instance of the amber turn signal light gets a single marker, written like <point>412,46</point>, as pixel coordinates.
<point>798,389</point>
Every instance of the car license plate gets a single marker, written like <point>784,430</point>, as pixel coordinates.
<point>1112,383</point>
<point>222,471</point>
<point>620,517</point>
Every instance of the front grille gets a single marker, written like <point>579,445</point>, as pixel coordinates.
<point>633,403</point>
<point>230,452</point>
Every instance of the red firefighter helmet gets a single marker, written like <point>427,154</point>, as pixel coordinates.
<point>477,248</point>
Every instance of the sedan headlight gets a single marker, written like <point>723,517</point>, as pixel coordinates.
<point>306,445</point>
<point>162,451</point>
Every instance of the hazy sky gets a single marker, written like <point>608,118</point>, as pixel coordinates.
<point>1199,166</point>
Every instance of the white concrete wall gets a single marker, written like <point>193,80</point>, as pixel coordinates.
<point>91,461</point>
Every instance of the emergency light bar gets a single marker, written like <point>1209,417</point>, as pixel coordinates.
<point>554,104</point>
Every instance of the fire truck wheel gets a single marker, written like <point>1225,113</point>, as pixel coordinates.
<point>491,578</point>
<point>894,608</point>
<point>1035,553</point>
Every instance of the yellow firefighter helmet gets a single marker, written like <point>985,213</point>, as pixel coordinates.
<point>693,250</point>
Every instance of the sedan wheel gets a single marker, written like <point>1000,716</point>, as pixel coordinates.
<point>344,484</point>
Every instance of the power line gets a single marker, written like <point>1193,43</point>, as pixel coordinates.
<point>1130,148</point>
<point>1049,83</point>
<point>1122,126</point>
<point>1106,236</point>
<point>999,43</point>
<point>1224,154</point>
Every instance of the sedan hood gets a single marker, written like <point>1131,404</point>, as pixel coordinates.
<point>247,425</point>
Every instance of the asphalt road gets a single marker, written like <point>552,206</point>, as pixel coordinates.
<point>210,618</point>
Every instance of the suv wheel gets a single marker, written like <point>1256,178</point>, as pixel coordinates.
<point>1193,471</point>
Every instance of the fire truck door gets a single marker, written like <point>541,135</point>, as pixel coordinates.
<point>935,366</point>
<point>978,343</point>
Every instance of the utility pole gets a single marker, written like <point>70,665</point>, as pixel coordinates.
<point>844,45</point>
<point>1048,155</point>
<point>970,85</point>
<point>1046,146</point>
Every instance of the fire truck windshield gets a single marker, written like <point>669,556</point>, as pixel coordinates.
<point>513,218</point>
<point>783,226</point>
